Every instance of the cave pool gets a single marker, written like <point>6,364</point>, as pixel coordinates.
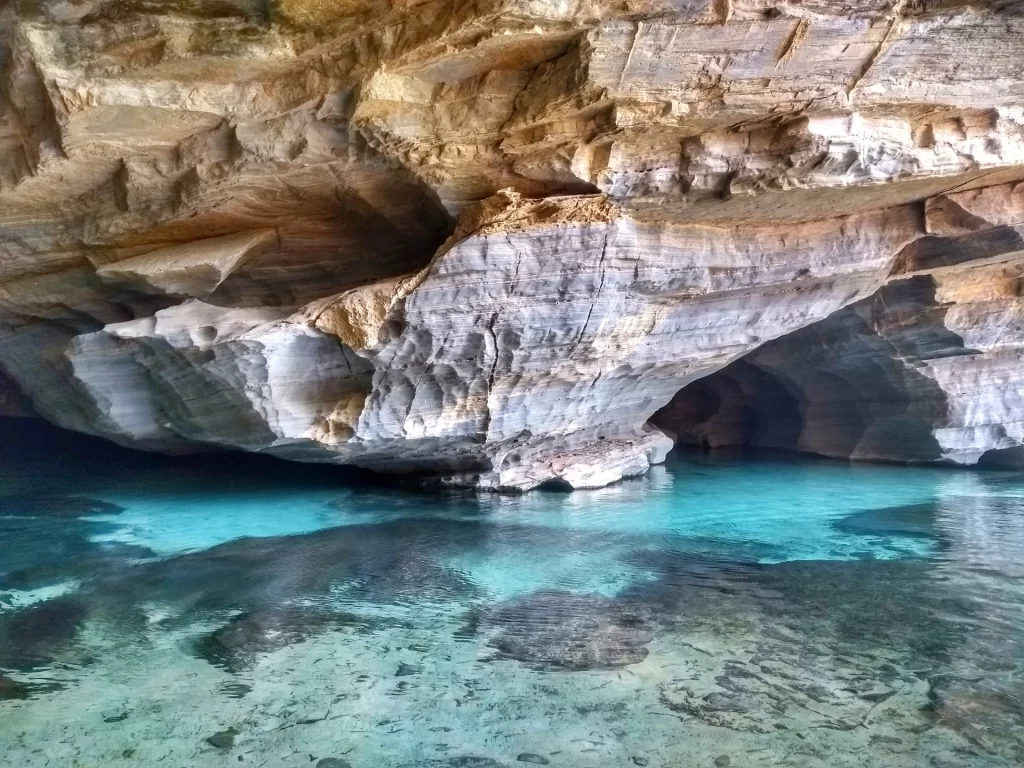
<point>723,610</point>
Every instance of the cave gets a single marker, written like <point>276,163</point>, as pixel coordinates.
<point>885,379</point>
<point>432,384</point>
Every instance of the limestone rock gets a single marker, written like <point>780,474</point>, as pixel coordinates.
<point>928,369</point>
<point>533,348</point>
<point>483,243</point>
<point>192,269</point>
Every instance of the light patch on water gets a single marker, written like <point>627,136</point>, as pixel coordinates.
<point>786,508</point>
<point>15,599</point>
<point>205,518</point>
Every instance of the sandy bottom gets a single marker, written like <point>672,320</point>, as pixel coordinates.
<point>735,689</point>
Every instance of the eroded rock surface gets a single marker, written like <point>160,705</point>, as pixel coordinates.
<point>484,243</point>
<point>928,369</point>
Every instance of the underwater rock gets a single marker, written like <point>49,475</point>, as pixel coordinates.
<point>70,554</point>
<point>223,739</point>
<point>389,563</point>
<point>11,690</point>
<point>977,707</point>
<point>237,645</point>
<point>40,633</point>
<point>562,630</point>
<point>269,593</point>
<point>531,757</point>
<point>235,690</point>
<point>333,762</point>
<point>463,761</point>
<point>916,520</point>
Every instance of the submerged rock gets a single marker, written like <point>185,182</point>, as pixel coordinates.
<point>981,708</point>
<point>223,739</point>
<point>463,761</point>
<point>563,630</point>
<point>238,644</point>
<point>235,690</point>
<point>12,689</point>
<point>532,757</point>
<point>404,670</point>
<point>41,633</point>
<point>917,520</point>
<point>389,563</point>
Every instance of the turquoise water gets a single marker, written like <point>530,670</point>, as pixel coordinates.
<point>740,610</point>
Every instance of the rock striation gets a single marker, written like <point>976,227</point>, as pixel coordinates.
<point>927,369</point>
<point>483,243</point>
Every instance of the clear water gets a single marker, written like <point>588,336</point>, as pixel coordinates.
<point>745,610</point>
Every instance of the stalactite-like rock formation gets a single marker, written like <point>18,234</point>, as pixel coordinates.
<point>484,242</point>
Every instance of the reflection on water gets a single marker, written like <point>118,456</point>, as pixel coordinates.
<point>719,611</point>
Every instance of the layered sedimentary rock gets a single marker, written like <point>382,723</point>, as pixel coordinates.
<point>533,347</point>
<point>927,369</point>
<point>485,242</point>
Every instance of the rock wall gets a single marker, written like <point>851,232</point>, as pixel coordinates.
<point>483,242</point>
<point>927,369</point>
<point>12,402</point>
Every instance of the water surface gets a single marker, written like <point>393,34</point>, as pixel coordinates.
<point>744,610</point>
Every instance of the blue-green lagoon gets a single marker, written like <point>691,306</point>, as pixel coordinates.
<point>743,610</point>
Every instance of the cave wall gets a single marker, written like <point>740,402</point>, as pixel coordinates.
<point>927,369</point>
<point>484,242</point>
<point>12,402</point>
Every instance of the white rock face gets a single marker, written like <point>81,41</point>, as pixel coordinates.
<point>224,227</point>
<point>533,348</point>
<point>928,369</point>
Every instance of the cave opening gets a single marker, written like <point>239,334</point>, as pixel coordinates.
<point>865,383</point>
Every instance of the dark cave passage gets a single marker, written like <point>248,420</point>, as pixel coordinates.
<point>853,386</point>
